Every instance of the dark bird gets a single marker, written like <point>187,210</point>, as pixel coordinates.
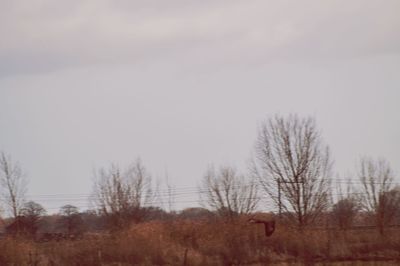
<point>269,225</point>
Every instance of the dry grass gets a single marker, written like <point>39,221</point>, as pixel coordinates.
<point>208,242</point>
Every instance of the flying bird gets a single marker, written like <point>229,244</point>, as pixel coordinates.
<point>268,225</point>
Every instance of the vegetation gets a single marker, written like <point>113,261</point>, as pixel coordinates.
<point>291,168</point>
<point>204,242</point>
<point>227,193</point>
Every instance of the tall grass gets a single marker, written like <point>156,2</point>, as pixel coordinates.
<point>206,242</point>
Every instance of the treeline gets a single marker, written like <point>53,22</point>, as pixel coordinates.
<point>292,167</point>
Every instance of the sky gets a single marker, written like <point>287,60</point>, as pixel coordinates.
<point>186,84</point>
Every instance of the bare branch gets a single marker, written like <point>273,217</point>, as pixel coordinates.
<point>123,196</point>
<point>228,193</point>
<point>289,152</point>
<point>380,197</point>
<point>12,184</point>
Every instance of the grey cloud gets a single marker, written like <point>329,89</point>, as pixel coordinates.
<point>45,35</point>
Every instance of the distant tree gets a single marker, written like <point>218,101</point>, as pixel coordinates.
<point>345,211</point>
<point>70,219</point>
<point>394,196</point>
<point>347,207</point>
<point>196,213</point>
<point>156,213</point>
<point>392,202</point>
<point>228,193</point>
<point>31,212</point>
<point>12,184</point>
<point>380,197</point>
<point>122,195</point>
<point>293,167</point>
<point>93,221</point>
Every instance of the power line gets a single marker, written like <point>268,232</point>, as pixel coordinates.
<point>179,195</point>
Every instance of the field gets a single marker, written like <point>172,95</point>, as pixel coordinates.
<point>209,242</point>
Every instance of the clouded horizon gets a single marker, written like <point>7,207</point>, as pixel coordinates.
<point>185,84</point>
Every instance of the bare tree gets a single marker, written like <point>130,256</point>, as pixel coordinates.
<point>142,193</point>
<point>123,196</point>
<point>12,184</point>
<point>379,198</point>
<point>228,193</point>
<point>293,167</point>
<point>31,212</point>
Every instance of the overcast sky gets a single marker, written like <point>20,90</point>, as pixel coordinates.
<point>184,84</point>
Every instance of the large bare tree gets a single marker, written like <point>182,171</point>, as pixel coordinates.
<point>123,196</point>
<point>12,184</point>
<point>379,195</point>
<point>228,193</point>
<point>293,166</point>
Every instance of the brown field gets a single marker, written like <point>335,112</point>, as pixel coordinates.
<point>209,242</point>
